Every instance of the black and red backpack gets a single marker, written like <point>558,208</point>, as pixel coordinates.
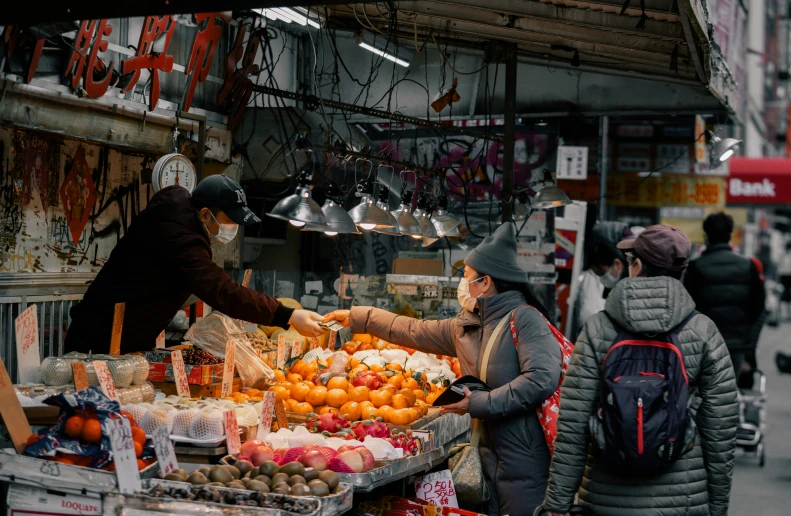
<point>644,421</point>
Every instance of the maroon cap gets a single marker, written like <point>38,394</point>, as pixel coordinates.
<point>661,246</point>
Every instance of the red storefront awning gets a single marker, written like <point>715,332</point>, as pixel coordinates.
<point>759,181</point>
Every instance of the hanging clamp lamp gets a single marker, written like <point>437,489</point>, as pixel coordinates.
<point>298,208</point>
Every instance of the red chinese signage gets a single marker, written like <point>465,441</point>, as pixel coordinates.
<point>238,87</point>
<point>153,28</point>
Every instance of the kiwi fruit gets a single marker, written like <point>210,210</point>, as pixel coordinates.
<point>255,485</point>
<point>244,466</point>
<point>337,490</point>
<point>282,485</point>
<point>330,478</point>
<point>180,472</point>
<point>216,484</point>
<point>300,490</point>
<point>235,473</point>
<point>293,468</point>
<point>269,468</point>
<point>280,477</point>
<point>265,479</point>
<point>197,478</point>
<point>254,472</point>
<point>297,479</point>
<point>220,474</point>
<point>205,471</point>
<point>174,477</point>
<point>235,485</point>
<point>282,491</point>
<point>318,488</point>
<point>311,474</point>
<point>246,481</point>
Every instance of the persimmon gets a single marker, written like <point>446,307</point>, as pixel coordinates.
<point>337,397</point>
<point>414,414</point>
<point>317,395</point>
<point>376,368</point>
<point>338,382</point>
<point>362,337</point>
<point>381,397</point>
<point>422,406</point>
<point>360,394</point>
<point>351,411</point>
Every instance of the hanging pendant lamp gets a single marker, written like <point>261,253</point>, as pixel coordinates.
<point>366,214</point>
<point>391,230</point>
<point>298,208</point>
<point>338,221</point>
<point>407,223</point>
<point>443,222</point>
<point>550,196</point>
<point>420,214</point>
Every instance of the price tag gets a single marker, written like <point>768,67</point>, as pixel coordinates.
<point>267,412</point>
<point>333,340</point>
<point>437,488</point>
<point>106,381</point>
<point>231,432</point>
<point>314,343</point>
<point>227,373</point>
<point>11,410</point>
<point>281,352</point>
<point>80,375</point>
<point>248,273</point>
<point>180,374</point>
<point>163,447</point>
<point>280,414</point>
<point>123,446</point>
<point>27,345</point>
<point>289,350</point>
<point>297,348</point>
<point>118,326</point>
<point>161,340</point>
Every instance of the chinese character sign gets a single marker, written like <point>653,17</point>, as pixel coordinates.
<point>238,87</point>
<point>27,345</point>
<point>153,28</point>
<point>437,488</point>
<point>228,371</point>
<point>232,432</point>
<point>180,374</point>
<point>267,412</point>
<point>105,379</point>
<point>85,60</point>
<point>203,50</point>
<point>166,456</point>
<point>123,446</point>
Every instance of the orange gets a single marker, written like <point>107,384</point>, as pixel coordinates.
<point>303,408</point>
<point>431,398</point>
<point>422,406</point>
<point>376,368</point>
<point>419,394</point>
<point>409,394</point>
<point>294,378</point>
<point>362,337</point>
<point>353,362</point>
<point>329,409</point>
<point>381,397</point>
<point>280,376</point>
<point>141,465</point>
<point>400,401</point>
<point>411,384</point>
<point>64,460</point>
<point>74,427</point>
<point>387,387</point>
<point>291,404</point>
<point>369,412</point>
<point>400,416</point>
<point>358,369</point>
<point>33,439</point>
<point>138,450</point>
<point>414,414</point>
<point>385,411</point>
<point>92,431</point>
<point>395,366</point>
<point>299,391</point>
<point>337,397</point>
<point>351,411</point>
<point>396,380</point>
<point>281,392</point>
<point>364,404</point>
<point>338,382</point>
<point>360,394</point>
<point>139,435</point>
<point>317,395</point>
<point>297,366</point>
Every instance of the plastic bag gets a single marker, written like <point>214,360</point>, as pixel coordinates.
<point>213,333</point>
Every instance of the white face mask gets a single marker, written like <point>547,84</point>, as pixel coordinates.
<point>463,295</point>
<point>608,280</point>
<point>225,234</point>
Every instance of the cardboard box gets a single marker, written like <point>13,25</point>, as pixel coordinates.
<point>417,267</point>
<point>34,500</point>
<point>159,371</point>
<point>213,390</point>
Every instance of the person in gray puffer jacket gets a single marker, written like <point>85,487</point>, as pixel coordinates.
<point>652,300</point>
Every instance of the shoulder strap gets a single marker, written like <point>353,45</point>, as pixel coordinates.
<point>476,432</point>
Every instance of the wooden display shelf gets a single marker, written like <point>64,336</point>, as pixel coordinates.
<point>44,416</point>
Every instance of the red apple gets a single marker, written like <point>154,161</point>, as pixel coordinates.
<point>261,455</point>
<point>368,458</point>
<point>352,459</point>
<point>249,446</point>
<point>314,459</point>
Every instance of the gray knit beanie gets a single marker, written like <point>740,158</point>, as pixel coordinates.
<point>496,256</point>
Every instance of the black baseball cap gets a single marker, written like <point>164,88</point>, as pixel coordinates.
<point>222,192</point>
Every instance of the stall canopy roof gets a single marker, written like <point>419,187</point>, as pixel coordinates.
<point>759,181</point>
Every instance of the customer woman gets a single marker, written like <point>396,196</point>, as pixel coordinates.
<point>522,374</point>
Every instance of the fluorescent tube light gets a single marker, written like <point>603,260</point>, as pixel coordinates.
<point>387,56</point>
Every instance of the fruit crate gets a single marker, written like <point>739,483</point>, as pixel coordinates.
<point>159,371</point>
<point>212,390</point>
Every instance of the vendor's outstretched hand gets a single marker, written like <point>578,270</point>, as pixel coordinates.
<point>307,323</point>
<point>342,316</point>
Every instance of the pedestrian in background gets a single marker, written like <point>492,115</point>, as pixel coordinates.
<point>727,288</point>
<point>651,302</point>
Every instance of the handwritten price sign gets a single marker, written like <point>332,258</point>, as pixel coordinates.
<point>123,447</point>
<point>267,412</point>
<point>333,340</point>
<point>231,432</point>
<point>27,347</point>
<point>161,340</point>
<point>105,380</point>
<point>314,343</point>
<point>80,376</point>
<point>166,456</point>
<point>227,373</point>
<point>297,348</point>
<point>180,374</point>
<point>437,488</point>
<point>281,352</point>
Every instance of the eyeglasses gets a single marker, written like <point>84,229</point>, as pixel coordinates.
<point>476,280</point>
<point>630,258</point>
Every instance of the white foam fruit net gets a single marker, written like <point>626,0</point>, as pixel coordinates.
<point>182,421</point>
<point>155,418</point>
<point>246,416</point>
<point>302,437</point>
<point>207,426</point>
<point>136,411</point>
<point>381,449</point>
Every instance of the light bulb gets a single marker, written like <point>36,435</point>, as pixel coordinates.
<point>417,237</point>
<point>728,154</point>
<point>330,233</point>
<point>296,223</point>
<point>368,226</point>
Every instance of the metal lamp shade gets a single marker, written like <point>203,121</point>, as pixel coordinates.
<point>407,223</point>
<point>300,208</point>
<point>722,150</point>
<point>550,197</point>
<point>338,221</point>
<point>391,230</point>
<point>444,223</point>
<point>426,227</point>
<point>368,214</point>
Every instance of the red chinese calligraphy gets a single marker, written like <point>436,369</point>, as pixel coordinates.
<point>80,57</point>
<point>238,87</point>
<point>203,50</point>
<point>153,28</point>
<point>14,36</point>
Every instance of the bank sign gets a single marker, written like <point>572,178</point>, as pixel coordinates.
<point>759,181</point>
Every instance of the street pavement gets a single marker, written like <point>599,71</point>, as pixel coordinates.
<point>765,491</point>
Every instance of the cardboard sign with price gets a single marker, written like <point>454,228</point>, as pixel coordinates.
<point>105,379</point>
<point>80,376</point>
<point>27,348</point>
<point>332,341</point>
<point>163,447</point>
<point>123,446</point>
<point>13,415</point>
<point>161,340</point>
<point>227,373</point>
<point>267,412</point>
<point>180,374</point>
<point>281,352</point>
<point>118,326</point>
<point>437,488</point>
<point>297,348</point>
<point>231,432</point>
<point>314,343</point>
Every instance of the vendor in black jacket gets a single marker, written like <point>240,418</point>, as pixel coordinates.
<point>727,288</point>
<point>163,258</point>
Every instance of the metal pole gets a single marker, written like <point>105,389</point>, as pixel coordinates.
<point>507,191</point>
<point>604,125</point>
